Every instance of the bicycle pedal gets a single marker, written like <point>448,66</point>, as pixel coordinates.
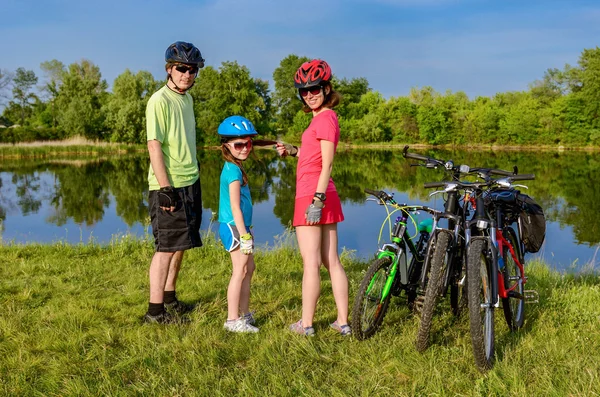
<point>531,296</point>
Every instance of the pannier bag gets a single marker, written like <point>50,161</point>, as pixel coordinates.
<point>533,223</point>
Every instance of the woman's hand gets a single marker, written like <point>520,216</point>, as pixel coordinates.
<point>286,149</point>
<point>313,212</point>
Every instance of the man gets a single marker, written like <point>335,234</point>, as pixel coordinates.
<point>175,202</point>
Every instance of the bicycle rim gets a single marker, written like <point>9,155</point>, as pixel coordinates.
<point>514,307</point>
<point>370,306</point>
<point>434,287</point>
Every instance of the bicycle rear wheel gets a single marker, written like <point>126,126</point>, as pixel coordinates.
<point>370,306</point>
<point>513,306</point>
<point>481,308</point>
<point>435,283</point>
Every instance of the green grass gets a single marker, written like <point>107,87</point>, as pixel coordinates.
<point>70,325</point>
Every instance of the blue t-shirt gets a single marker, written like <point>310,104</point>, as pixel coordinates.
<point>231,173</point>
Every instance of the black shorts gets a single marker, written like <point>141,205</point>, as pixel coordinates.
<point>178,230</point>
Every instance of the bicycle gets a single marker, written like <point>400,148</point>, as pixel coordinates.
<point>390,273</point>
<point>446,269</point>
<point>495,264</point>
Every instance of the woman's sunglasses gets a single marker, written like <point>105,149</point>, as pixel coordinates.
<point>183,69</point>
<point>239,146</point>
<point>313,90</point>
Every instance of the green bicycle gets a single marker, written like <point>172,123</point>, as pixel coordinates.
<point>391,273</point>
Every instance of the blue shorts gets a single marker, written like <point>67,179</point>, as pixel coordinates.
<point>230,236</point>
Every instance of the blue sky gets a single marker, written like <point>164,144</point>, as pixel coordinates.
<point>476,46</point>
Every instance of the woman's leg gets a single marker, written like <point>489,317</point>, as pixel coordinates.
<point>239,263</point>
<point>331,261</point>
<point>309,241</point>
<point>245,290</point>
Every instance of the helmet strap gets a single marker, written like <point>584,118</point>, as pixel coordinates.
<point>177,89</point>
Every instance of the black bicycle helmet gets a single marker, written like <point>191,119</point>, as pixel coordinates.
<point>182,52</point>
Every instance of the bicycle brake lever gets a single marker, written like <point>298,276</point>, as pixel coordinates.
<point>526,187</point>
<point>436,192</point>
<point>378,201</point>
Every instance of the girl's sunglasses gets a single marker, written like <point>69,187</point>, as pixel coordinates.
<point>313,90</point>
<point>183,69</point>
<point>239,146</point>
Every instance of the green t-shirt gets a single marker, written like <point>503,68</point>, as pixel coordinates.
<point>170,120</point>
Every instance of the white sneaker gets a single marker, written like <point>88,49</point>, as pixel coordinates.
<point>239,325</point>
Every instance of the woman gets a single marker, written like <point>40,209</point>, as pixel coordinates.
<point>318,208</point>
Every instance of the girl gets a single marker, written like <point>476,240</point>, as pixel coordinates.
<point>318,209</point>
<point>235,217</point>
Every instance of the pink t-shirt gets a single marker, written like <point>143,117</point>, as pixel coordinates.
<point>323,126</point>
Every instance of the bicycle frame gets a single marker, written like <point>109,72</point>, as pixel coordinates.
<point>395,250</point>
<point>502,290</point>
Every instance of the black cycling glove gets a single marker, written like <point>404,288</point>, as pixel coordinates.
<point>167,197</point>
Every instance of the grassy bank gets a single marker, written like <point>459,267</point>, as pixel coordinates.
<point>76,146</point>
<point>70,325</point>
<point>79,146</point>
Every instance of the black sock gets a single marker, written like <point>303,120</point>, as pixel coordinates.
<point>154,309</point>
<point>169,297</point>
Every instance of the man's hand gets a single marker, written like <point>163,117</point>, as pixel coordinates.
<point>167,198</point>
<point>313,212</point>
<point>246,244</point>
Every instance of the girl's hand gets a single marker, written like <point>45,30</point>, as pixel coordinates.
<point>246,244</point>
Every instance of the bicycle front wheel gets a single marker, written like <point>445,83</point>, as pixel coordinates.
<point>480,303</point>
<point>513,306</point>
<point>434,286</point>
<point>370,306</point>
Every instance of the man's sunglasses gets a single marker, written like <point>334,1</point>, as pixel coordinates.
<point>241,145</point>
<point>183,69</point>
<point>313,90</point>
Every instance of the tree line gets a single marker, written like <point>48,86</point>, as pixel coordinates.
<point>562,108</point>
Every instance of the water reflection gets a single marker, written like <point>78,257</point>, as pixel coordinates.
<point>75,200</point>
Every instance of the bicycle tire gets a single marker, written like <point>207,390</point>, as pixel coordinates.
<point>434,287</point>
<point>514,307</point>
<point>366,323</point>
<point>481,309</point>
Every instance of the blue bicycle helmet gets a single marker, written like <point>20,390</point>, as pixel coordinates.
<point>236,127</point>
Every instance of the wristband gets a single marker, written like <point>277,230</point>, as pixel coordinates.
<point>246,236</point>
<point>320,196</point>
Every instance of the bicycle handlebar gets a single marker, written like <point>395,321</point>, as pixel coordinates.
<point>413,155</point>
<point>429,185</point>
<point>523,177</point>
<point>380,194</point>
<point>463,169</point>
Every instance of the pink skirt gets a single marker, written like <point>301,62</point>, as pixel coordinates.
<point>332,212</point>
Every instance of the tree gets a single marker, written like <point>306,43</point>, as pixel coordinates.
<point>54,71</point>
<point>285,96</point>
<point>351,92</point>
<point>5,81</point>
<point>22,83</point>
<point>399,119</point>
<point>589,62</point>
<point>228,91</point>
<point>125,109</point>
<point>79,101</point>
<point>520,122</point>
